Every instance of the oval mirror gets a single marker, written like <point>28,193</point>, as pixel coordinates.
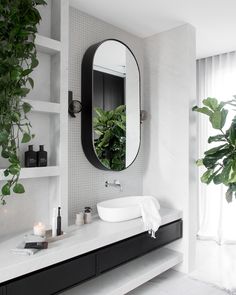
<point>111,105</point>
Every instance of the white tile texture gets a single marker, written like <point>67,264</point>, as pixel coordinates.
<point>87,183</point>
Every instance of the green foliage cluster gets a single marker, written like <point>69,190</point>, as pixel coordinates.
<point>18,26</point>
<point>110,146</point>
<point>220,161</point>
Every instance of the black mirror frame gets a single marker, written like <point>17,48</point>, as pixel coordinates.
<point>87,102</point>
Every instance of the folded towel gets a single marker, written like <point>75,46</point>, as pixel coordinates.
<point>150,213</point>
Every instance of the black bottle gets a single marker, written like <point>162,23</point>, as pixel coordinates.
<point>30,157</point>
<point>42,157</point>
<point>59,222</point>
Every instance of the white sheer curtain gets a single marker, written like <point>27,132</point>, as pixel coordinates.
<point>216,77</point>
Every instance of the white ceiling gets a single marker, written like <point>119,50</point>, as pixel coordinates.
<point>214,20</point>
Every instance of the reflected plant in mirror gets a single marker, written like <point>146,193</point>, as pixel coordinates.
<point>111,105</point>
<point>110,137</point>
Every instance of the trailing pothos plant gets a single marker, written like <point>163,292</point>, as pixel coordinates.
<point>220,160</point>
<point>18,26</point>
<point>110,144</point>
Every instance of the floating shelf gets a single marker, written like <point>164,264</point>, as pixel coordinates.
<point>44,106</point>
<point>131,275</point>
<point>35,172</point>
<point>47,45</point>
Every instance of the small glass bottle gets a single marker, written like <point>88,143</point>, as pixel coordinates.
<point>42,157</point>
<point>30,157</point>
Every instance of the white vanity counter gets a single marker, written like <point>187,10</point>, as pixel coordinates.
<point>78,241</point>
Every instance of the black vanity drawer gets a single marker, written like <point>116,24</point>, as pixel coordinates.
<point>165,235</point>
<point>123,251</point>
<point>55,279</point>
<point>3,290</point>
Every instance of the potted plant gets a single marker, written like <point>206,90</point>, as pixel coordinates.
<point>18,58</point>
<point>220,160</point>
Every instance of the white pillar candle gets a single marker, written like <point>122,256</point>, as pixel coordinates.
<point>39,229</point>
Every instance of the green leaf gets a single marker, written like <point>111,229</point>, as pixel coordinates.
<point>26,72</point>
<point>120,124</point>
<point>6,191</point>
<point>15,117</point>
<point>40,2</point>
<point>26,107</point>
<point>22,91</point>
<point>203,110</point>
<point>26,138</point>
<point>210,102</point>
<point>229,195</point>
<point>218,119</point>
<point>232,133</point>
<point>199,162</point>
<point>217,179</point>
<point>31,81</point>
<point>221,105</point>
<point>14,169</point>
<point>215,149</point>
<point>18,188</point>
<point>6,173</point>
<point>207,176</point>
<point>34,63</point>
<point>216,138</point>
<point>100,112</point>
<point>3,136</point>
<point>225,174</point>
<point>232,178</point>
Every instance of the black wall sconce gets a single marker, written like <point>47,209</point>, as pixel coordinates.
<point>74,106</point>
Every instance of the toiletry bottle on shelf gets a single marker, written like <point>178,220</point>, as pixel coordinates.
<point>54,222</point>
<point>30,157</point>
<point>87,215</point>
<point>59,222</point>
<point>42,156</point>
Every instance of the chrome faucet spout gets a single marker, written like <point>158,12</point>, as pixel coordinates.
<point>115,183</point>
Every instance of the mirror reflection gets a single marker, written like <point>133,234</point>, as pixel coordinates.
<point>116,105</point>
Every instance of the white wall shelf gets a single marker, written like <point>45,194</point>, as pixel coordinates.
<point>47,45</point>
<point>35,172</point>
<point>49,119</point>
<point>44,106</point>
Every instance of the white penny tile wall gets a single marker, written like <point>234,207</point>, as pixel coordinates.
<point>87,183</point>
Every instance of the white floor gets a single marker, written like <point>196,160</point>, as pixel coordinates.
<point>169,283</point>
<point>216,264</point>
<point>175,283</point>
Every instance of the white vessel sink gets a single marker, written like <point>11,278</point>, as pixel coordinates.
<point>119,209</point>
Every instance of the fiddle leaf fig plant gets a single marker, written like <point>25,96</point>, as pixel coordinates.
<point>110,144</point>
<point>220,160</point>
<point>18,58</point>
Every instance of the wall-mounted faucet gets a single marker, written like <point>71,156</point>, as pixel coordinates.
<point>115,183</point>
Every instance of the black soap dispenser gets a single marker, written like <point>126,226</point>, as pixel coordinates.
<point>30,157</point>
<point>42,157</point>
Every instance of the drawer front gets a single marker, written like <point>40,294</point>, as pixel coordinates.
<point>165,235</point>
<point>3,290</point>
<point>126,250</point>
<point>119,253</point>
<point>50,281</point>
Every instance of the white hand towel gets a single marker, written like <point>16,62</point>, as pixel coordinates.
<point>150,213</point>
